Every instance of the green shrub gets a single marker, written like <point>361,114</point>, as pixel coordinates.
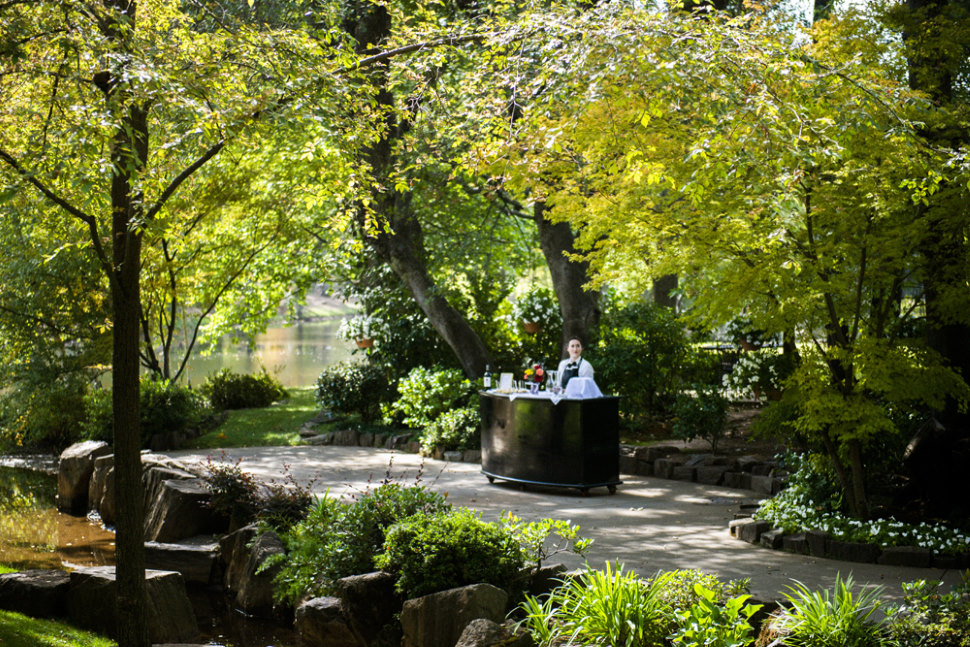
<point>457,429</point>
<point>713,622</point>
<point>164,407</point>
<point>340,539</point>
<point>426,394</point>
<point>929,617</point>
<point>641,356</point>
<point>353,388</point>
<point>435,552</point>
<point>678,589</point>
<point>838,618</point>
<point>229,390</point>
<point>700,415</point>
<point>43,414</point>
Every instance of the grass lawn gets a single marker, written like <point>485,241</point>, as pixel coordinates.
<point>278,424</point>
<point>18,630</point>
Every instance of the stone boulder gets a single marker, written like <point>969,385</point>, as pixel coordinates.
<point>486,633</point>
<point>252,591</point>
<point>195,558</point>
<point>101,489</point>
<point>153,477</point>
<point>440,618</point>
<point>179,511</point>
<point>234,555</point>
<point>92,604</point>
<point>36,593</point>
<point>323,621</point>
<point>370,603</point>
<point>74,474</point>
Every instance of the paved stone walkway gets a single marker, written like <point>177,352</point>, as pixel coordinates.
<point>648,525</point>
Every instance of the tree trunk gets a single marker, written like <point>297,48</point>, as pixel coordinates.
<point>131,141</point>
<point>579,307</point>
<point>402,247</point>
<point>663,291</point>
<point>129,154</point>
<point>129,540</point>
<point>943,253</point>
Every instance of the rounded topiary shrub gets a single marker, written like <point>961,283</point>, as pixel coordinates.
<point>430,553</point>
<point>229,390</point>
<point>353,388</point>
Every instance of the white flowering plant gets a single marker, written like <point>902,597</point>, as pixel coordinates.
<point>359,327</point>
<point>803,506</point>
<point>538,305</point>
<point>758,371</point>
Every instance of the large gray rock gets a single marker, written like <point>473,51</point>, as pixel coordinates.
<point>370,603</point>
<point>101,489</point>
<point>179,511</point>
<point>37,593</point>
<point>254,590</point>
<point>324,622</point>
<point>74,474</point>
<point>194,559</point>
<point>92,604</point>
<point>234,555</point>
<point>153,477</point>
<point>486,633</point>
<point>439,618</point>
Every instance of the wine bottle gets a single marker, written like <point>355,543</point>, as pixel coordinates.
<point>487,378</point>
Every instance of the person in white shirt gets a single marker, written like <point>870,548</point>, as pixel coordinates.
<point>574,365</point>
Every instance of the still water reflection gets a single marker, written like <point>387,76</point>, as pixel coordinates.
<point>34,535</point>
<point>296,354</point>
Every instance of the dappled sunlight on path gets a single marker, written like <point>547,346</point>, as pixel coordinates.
<point>648,525</point>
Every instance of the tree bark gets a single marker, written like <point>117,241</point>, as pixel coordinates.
<point>131,141</point>
<point>579,307</point>
<point>129,154</point>
<point>663,291</point>
<point>402,246</point>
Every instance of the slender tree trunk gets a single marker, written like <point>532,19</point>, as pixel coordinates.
<point>129,154</point>
<point>131,141</point>
<point>579,307</point>
<point>129,541</point>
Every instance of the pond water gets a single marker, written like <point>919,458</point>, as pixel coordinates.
<point>34,535</point>
<point>296,354</point>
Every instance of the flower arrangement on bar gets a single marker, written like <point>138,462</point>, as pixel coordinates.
<point>534,376</point>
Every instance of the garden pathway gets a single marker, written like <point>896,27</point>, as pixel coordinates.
<point>648,525</point>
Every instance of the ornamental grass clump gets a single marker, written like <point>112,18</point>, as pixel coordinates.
<point>607,607</point>
<point>836,618</point>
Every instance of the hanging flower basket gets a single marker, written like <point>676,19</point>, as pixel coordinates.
<point>365,342</point>
<point>531,327</point>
